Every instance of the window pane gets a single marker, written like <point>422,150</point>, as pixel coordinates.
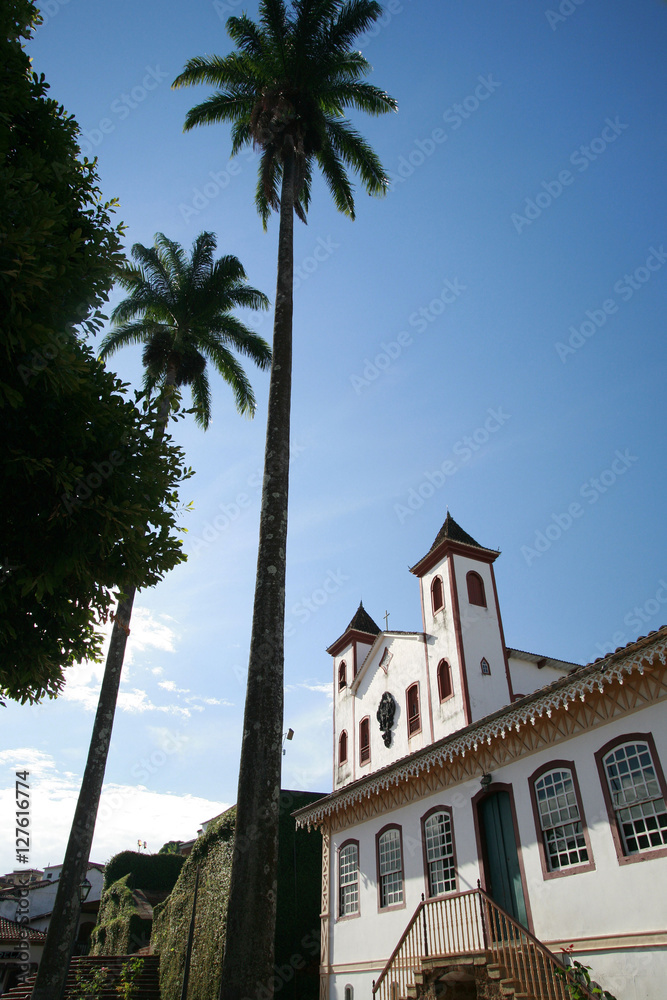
<point>563,831</point>
<point>348,879</point>
<point>440,854</point>
<point>636,796</point>
<point>391,868</point>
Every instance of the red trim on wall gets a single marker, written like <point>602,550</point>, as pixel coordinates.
<point>448,547</point>
<point>501,786</point>
<point>429,699</point>
<point>502,637</point>
<point>586,866</point>
<point>658,852</point>
<point>415,684</point>
<point>459,642</point>
<point>349,638</point>
<point>366,718</point>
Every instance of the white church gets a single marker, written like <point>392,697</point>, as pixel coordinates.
<point>496,814</point>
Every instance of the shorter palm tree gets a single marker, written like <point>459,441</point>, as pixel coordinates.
<point>179,308</point>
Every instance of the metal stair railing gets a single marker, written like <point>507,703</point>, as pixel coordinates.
<point>469,923</point>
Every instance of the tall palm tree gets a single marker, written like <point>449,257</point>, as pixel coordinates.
<point>284,89</point>
<point>179,308</point>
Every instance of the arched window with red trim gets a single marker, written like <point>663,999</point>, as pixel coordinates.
<point>365,740</point>
<point>342,675</point>
<point>414,716</point>
<point>342,748</point>
<point>437,595</point>
<point>445,689</point>
<point>476,593</point>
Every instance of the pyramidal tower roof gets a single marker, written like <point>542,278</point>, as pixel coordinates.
<point>363,622</point>
<point>455,533</point>
<point>451,532</point>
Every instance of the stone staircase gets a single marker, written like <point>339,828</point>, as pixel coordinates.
<point>465,977</point>
<point>147,983</point>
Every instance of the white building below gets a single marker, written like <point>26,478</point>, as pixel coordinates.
<point>507,790</point>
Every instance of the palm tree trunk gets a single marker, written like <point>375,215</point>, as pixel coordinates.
<point>61,935</point>
<point>251,913</point>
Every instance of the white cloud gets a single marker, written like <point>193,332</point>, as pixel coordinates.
<point>127,812</point>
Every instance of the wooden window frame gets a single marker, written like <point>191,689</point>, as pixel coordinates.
<point>342,738</point>
<point>585,866</point>
<point>385,829</point>
<point>342,675</point>
<point>448,671</point>
<point>622,857</point>
<point>437,579</point>
<point>427,815</point>
<point>470,576</point>
<point>367,760</point>
<point>348,916</point>
<point>413,732</point>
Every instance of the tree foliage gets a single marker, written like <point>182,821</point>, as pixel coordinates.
<point>79,476</point>
<point>179,308</point>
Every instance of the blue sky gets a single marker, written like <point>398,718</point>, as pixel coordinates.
<point>489,338</point>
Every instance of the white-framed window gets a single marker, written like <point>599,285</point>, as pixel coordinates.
<point>439,851</point>
<point>636,797</point>
<point>560,820</point>
<point>348,879</point>
<point>390,867</point>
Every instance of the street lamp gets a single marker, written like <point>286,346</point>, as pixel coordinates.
<point>84,890</point>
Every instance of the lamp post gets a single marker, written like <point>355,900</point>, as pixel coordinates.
<point>84,890</point>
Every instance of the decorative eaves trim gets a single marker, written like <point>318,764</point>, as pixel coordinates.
<point>560,694</point>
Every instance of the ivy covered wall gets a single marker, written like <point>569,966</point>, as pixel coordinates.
<point>124,920</point>
<point>298,906</point>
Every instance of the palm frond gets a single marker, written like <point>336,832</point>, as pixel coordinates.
<point>124,336</point>
<point>232,372</point>
<point>337,180</point>
<point>229,331</point>
<point>223,106</point>
<point>358,154</point>
<point>355,17</point>
<point>201,397</point>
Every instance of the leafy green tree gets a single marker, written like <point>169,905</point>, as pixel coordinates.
<point>88,502</point>
<point>180,309</point>
<point>284,89</point>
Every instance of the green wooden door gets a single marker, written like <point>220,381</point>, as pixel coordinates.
<point>503,875</point>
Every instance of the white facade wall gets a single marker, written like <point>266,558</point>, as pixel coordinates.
<point>481,634</point>
<point>612,901</point>
<point>528,677</point>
